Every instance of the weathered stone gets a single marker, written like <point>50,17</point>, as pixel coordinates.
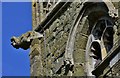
<point>47,55</point>
<point>25,40</point>
<point>58,66</point>
<point>35,41</point>
<point>81,42</point>
<point>79,55</point>
<point>78,70</point>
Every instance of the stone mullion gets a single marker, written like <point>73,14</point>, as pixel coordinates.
<point>41,11</point>
<point>34,14</point>
<point>37,14</point>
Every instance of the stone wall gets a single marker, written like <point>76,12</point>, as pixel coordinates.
<point>48,53</point>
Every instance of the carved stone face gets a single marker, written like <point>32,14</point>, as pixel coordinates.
<point>17,43</point>
<point>25,40</point>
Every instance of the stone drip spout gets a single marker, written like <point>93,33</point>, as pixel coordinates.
<point>24,41</point>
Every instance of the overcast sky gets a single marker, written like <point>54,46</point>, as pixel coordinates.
<point>16,20</point>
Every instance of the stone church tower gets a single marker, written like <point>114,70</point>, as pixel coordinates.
<point>73,38</point>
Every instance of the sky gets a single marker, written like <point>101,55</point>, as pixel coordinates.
<point>0,39</point>
<point>16,20</point>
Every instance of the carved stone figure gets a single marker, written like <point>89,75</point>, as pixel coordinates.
<point>24,41</point>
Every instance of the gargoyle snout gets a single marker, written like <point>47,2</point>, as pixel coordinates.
<point>15,42</point>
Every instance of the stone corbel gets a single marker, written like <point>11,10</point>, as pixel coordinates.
<point>24,41</point>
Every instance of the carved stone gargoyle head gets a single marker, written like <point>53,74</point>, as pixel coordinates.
<point>17,43</point>
<point>25,40</point>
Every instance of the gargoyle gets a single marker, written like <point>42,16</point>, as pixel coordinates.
<point>24,41</point>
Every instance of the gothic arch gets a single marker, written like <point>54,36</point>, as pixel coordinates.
<point>99,37</point>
